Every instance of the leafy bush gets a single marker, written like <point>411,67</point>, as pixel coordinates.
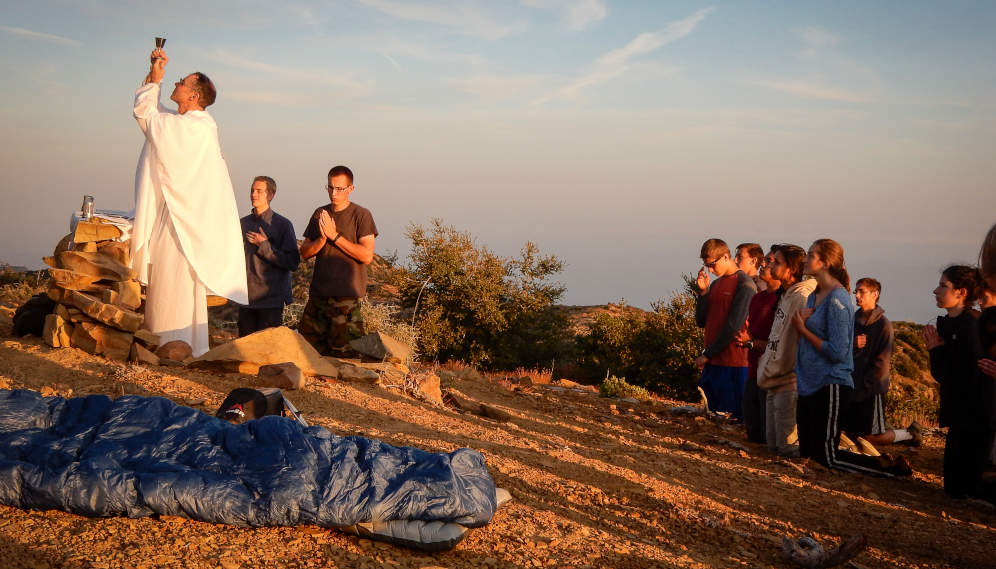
<point>473,305</point>
<point>655,349</point>
<point>617,387</point>
<point>19,286</point>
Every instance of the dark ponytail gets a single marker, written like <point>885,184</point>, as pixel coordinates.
<point>965,277</point>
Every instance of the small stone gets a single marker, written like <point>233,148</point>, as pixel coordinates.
<point>350,372</point>
<point>470,374</point>
<point>142,355</point>
<point>496,413</point>
<point>690,447</point>
<point>230,565</point>
<point>873,496</point>
<point>176,350</point>
<point>382,546</point>
<point>383,347</point>
<point>47,391</point>
<point>524,381</point>
<point>286,376</point>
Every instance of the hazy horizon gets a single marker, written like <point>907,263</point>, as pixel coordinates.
<point>617,136</point>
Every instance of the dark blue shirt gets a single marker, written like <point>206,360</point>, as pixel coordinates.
<point>269,264</point>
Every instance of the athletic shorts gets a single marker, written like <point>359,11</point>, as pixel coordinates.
<point>866,417</point>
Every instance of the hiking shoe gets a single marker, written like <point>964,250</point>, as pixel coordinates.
<point>916,431</point>
<point>895,466</point>
<point>867,448</point>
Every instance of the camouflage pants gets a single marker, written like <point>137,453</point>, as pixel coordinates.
<point>329,323</point>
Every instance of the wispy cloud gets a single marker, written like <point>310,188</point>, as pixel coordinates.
<point>43,77</point>
<point>814,91</point>
<point>394,63</point>
<point>829,69</point>
<point>577,14</point>
<point>468,18</point>
<point>344,88</point>
<point>39,36</point>
<point>494,86</point>
<point>615,62</point>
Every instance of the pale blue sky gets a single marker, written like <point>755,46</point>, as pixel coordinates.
<point>617,136</point>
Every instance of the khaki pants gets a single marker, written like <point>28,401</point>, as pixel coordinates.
<point>782,434</point>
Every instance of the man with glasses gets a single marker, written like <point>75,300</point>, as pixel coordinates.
<point>186,240</point>
<point>721,309</point>
<point>341,236</point>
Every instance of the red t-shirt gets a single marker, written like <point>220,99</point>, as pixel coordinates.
<point>759,320</point>
<point>721,294</point>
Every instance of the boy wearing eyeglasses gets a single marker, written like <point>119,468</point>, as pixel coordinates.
<point>721,310</point>
<point>340,235</point>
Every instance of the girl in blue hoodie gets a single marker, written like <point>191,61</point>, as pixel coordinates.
<point>824,363</point>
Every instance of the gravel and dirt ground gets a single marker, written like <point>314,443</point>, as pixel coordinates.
<point>594,486</point>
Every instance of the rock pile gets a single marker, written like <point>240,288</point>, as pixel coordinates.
<point>99,301</point>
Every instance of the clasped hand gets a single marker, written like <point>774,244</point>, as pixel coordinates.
<point>327,225</point>
<point>800,317</point>
<point>930,337</point>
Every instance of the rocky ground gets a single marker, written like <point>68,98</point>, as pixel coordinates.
<point>594,486</point>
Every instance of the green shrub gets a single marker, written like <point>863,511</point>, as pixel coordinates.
<point>617,387</point>
<point>473,305</point>
<point>655,349</point>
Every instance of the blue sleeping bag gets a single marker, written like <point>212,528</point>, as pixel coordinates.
<point>138,456</point>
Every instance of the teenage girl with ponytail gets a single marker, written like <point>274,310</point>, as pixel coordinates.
<point>966,394</point>
<point>824,364</point>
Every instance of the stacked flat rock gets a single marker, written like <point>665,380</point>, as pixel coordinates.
<point>100,302</point>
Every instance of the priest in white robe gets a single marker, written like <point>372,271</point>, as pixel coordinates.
<point>187,241</point>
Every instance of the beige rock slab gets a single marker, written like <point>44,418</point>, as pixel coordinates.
<point>101,340</point>
<point>142,355</point>
<point>429,387</point>
<point>109,314</point>
<point>270,346</point>
<point>87,231</point>
<point>286,376</point>
<point>58,331</point>
<point>96,265</point>
<point>120,252</point>
<point>381,346</point>
<point>89,247</point>
<point>109,297</point>
<point>350,372</point>
<point>148,340</point>
<point>129,294</point>
<point>76,281</point>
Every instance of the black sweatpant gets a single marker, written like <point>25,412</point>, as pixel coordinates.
<point>818,417</point>
<point>253,320</point>
<point>966,453</point>
<point>755,401</point>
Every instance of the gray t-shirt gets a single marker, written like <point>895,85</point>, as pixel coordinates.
<point>336,273</point>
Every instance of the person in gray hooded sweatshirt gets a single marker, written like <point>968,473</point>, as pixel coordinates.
<point>873,342</point>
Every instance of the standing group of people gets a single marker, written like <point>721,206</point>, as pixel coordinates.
<point>188,240</point>
<point>788,354</point>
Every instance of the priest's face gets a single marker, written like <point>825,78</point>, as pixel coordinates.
<point>339,189</point>
<point>260,197</point>
<point>182,90</point>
